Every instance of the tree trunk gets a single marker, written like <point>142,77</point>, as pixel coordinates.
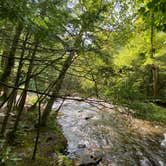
<point>56,88</point>
<point>10,62</point>
<point>24,93</point>
<point>38,132</point>
<point>155,81</point>
<point>6,44</point>
<point>14,91</point>
<point>154,67</point>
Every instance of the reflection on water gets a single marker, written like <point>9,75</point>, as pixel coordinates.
<point>106,137</point>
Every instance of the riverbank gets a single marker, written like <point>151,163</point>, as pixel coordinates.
<point>94,132</point>
<point>51,147</point>
<point>148,111</point>
<point>108,134</point>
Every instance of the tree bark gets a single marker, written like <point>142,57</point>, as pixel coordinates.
<point>154,67</point>
<point>38,132</point>
<point>155,80</point>
<point>14,91</point>
<point>24,93</point>
<point>10,62</point>
<point>56,88</point>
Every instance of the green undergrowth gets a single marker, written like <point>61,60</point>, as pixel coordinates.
<point>51,146</point>
<point>149,111</point>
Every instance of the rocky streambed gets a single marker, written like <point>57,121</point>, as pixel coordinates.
<point>98,133</point>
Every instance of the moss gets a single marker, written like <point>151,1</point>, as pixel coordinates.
<point>40,161</point>
<point>149,111</point>
<point>63,160</point>
<point>51,146</point>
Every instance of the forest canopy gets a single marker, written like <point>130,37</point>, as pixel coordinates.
<point>114,50</point>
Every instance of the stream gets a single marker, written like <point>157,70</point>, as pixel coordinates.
<point>101,134</point>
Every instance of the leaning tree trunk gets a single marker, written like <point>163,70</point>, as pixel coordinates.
<point>24,93</point>
<point>10,62</point>
<point>14,91</point>
<point>56,88</point>
<point>59,80</point>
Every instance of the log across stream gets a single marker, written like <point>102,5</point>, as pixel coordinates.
<point>98,134</point>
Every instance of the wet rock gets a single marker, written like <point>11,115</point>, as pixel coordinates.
<point>161,163</point>
<point>94,161</point>
<point>145,162</point>
<point>88,117</point>
<point>81,146</point>
<point>163,143</point>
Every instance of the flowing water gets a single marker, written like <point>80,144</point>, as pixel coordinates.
<point>98,134</point>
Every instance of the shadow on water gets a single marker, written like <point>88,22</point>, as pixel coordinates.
<point>106,137</point>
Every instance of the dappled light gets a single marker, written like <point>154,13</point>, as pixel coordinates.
<point>82,82</point>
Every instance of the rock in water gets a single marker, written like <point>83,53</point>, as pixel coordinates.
<point>81,146</point>
<point>88,117</point>
<point>163,143</point>
<point>94,162</point>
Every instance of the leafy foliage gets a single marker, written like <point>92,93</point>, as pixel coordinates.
<point>7,156</point>
<point>114,50</point>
